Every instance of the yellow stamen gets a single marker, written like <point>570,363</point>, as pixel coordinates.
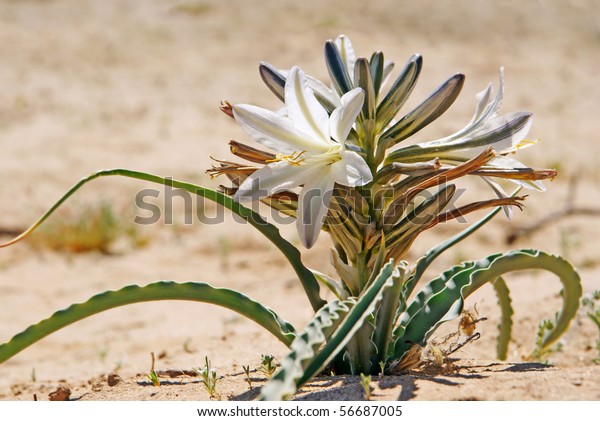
<point>525,143</point>
<point>292,159</point>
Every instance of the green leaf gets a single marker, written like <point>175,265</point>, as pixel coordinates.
<point>311,287</point>
<point>426,112</point>
<point>505,325</point>
<point>348,274</point>
<point>190,291</point>
<point>337,69</point>
<point>284,382</point>
<point>331,284</point>
<point>376,261</point>
<point>443,298</point>
<point>420,301</point>
<point>384,320</point>
<point>360,349</point>
<point>330,330</point>
<point>424,262</point>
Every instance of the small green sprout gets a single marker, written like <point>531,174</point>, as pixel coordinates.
<point>365,382</point>
<point>103,353</point>
<point>33,376</point>
<point>541,354</point>
<point>248,379</point>
<point>267,366</point>
<point>209,379</point>
<point>153,375</point>
<point>382,365</point>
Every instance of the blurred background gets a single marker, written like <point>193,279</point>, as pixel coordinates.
<point>89,85</point>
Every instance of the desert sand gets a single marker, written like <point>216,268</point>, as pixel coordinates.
<point>89,85</point>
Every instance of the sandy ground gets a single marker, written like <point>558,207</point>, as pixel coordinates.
<point>89,84</point>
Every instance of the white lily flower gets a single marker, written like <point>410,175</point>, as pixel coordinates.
<point>505,133</point>
<point>311,151</point>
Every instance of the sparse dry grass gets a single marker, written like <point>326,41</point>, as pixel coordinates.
<point>92,227</point>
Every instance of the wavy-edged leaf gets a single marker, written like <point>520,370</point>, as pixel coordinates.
<point>284,382</point>
<point>426,112</point>
<point>338,72</point>
<point>443,298</point>
<point>399,92</point>
<point>360,349</point>
<point>419,302</point>
<point>331,329</point>
<point>164,290</point>
<point>364,308</point>
<point>506,313</point>
<point>292,254</point>
<point>384,320</point>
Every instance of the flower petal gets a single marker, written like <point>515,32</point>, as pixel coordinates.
<point>272,129</point>
<point>325,95</point>
<point>351,170</point>
<point>501,132</point>
<point>501,194</point>
<point>486,107</point>
<point>507,162</point>
<point>347,52</point>
<point>313,204</point>
<point>305,112</point>
<point>343,118</point>
<point>271,179</point>
<point>485,110</point>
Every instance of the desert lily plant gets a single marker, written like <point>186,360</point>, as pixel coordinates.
<point>336,158</point>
